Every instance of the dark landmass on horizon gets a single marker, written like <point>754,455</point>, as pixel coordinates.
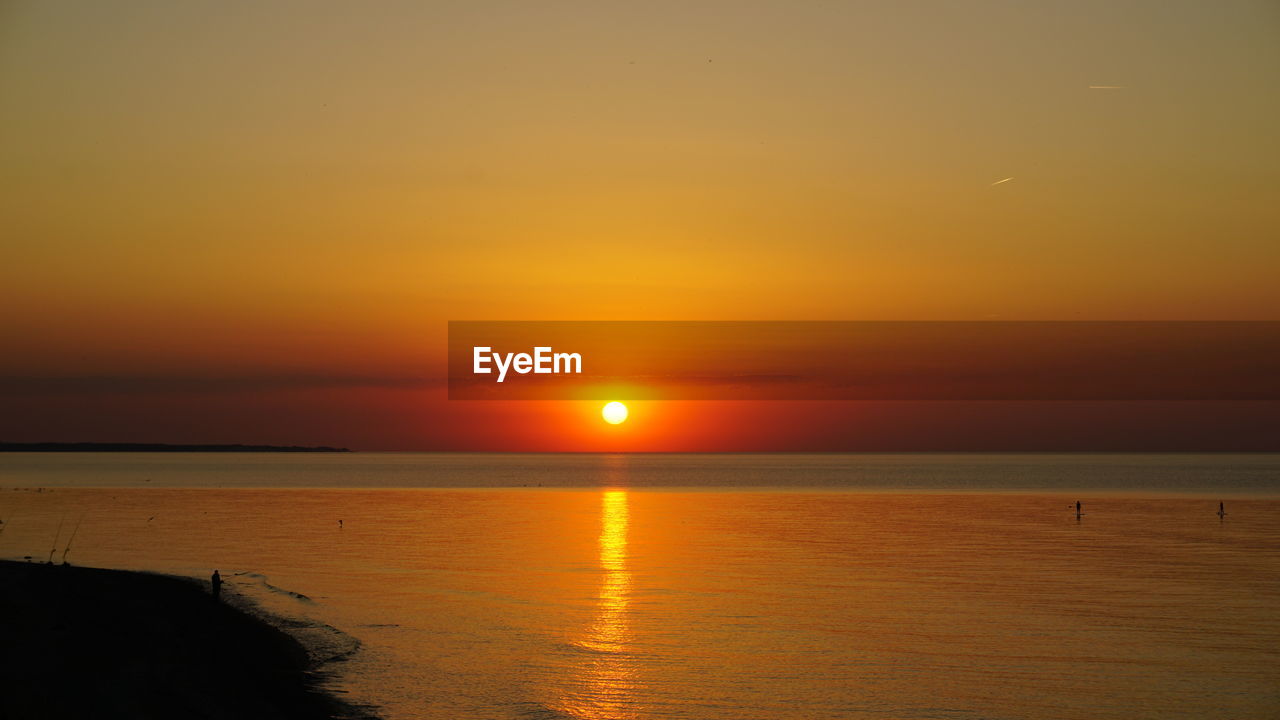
<point>161,447</point>
<point>90,643</point>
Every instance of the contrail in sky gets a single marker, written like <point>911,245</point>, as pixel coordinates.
<point>998,182</point>
<point>1107,87</point>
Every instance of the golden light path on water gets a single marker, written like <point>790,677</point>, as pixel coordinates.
<point>607,675</point>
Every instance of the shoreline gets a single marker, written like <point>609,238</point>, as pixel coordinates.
<point>87,642</point>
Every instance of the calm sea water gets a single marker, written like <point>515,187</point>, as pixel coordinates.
<point>718,586</point>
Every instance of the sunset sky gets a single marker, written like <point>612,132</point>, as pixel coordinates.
<point>251,222</point>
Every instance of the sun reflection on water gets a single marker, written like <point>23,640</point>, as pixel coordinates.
<point>607,676</point>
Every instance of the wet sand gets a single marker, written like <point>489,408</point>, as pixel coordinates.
<point>81,642</point>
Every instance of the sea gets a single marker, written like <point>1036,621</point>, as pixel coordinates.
<point>713,586</point>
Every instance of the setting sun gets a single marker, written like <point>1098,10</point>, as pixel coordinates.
<point>614,413</point>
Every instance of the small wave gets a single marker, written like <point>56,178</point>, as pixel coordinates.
<point>539,711</point>
<point>322,641</point>
<point>262,580</point>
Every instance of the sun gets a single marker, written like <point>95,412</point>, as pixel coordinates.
<point>614,413</point>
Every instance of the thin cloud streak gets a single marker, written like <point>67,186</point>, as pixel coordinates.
<point>133,384</point>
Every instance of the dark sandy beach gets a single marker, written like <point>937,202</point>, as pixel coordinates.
<point>87,643</point>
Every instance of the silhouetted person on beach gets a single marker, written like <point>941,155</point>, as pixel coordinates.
<point>216,582</point>
<point>1222,509</point>
<point>1078,513</point>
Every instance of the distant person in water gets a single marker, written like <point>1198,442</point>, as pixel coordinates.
<point>1078,508</point>
<point>216,583</point>
<point>1222,509</point>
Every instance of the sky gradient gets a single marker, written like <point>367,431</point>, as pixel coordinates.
<point>244,222</point>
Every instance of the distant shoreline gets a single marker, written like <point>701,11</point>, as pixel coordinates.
<point>84,642</point>
<point>161,447</point>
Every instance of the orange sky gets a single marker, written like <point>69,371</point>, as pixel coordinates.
<point>253,223</point>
